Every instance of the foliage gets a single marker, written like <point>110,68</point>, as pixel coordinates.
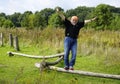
<point>107,17</point>
<point>15,18</point>
<point>39,21</point>
<point>55,21</point>
<point>8,24</point>
<point>82,12</point>
<point>31,21</point>
<point>2,20</point>
<point>25,19</point>
<point>104,17</point>
<point>46,13</point>
<point>115,25</point>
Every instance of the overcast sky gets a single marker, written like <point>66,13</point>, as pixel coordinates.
<point>11,6</point>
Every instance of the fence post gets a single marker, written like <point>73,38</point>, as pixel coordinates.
<point>16,45</point>
<point>1,37</point>
<point>11,40</point>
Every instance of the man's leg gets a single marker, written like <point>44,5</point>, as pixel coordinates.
<point>74,51</point>
<point>66,51</point>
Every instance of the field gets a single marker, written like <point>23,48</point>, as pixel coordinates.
<point>98,51</point>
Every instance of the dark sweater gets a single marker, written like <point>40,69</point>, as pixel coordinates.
<point>72,30</point>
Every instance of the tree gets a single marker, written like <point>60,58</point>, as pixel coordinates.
<point>2,20</point>
<point>8,24</point>
<point>3,15</point>
<point>31,21</point>
<point>15,18</point>
<point>39,21</point>
<point>82,12</point>
<point>25,19</point>
<point>55,21</point>
<point>115,25</point>
<point>70,13</point>
<point>104,17</point>
<point>46,13</point>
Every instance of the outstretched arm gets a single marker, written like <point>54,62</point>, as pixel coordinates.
<point>90,20</point>
<point>60,14</point>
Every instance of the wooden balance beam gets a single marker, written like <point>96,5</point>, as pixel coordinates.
<point>33,56</point>
<point>44,64</point>
<point>79,72</point>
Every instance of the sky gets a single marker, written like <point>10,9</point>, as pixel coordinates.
<point>11,6</point>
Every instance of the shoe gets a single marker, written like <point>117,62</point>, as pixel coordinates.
<point>71,68</point>
<point>66,68</point>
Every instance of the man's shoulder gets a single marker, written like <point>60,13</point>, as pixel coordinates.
<point>66,21</point>
<point>81,23</point>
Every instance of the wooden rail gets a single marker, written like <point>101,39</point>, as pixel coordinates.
<point>79,72</point>
<point>33,56</point>
<point>44,64</point>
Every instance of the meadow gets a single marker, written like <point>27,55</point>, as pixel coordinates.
<point>98,51</point>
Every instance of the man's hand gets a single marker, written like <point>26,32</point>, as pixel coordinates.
<point>57,9</point>
<point>94,18</point>
<point>60,13</point>
<point>90,20</point>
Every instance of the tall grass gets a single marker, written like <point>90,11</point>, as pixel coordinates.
<point>90,42</point>
<point>98,51</point>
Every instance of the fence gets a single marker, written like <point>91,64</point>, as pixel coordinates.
<point>13,42</point>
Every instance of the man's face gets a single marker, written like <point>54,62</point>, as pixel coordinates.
<point>74,20</point>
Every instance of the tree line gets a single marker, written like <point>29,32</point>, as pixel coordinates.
<point>108,17</point>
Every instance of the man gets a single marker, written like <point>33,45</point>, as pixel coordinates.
<point>72,29</point>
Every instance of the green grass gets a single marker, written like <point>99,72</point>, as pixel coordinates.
<point>21,70</point>
<point>96,56</point>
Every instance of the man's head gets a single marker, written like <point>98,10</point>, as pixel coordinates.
<point>74,20</point>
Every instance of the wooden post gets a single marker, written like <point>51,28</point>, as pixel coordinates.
<point>11,40</point>
<point>1,37</point>
<point>16,44</point>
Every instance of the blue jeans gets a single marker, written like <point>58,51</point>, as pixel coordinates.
<point>70,44</point>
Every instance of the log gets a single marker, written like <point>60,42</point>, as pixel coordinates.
<point>33,56</point>
<point>44,64</point>
<point>54,63</point>
<point>79,72</point>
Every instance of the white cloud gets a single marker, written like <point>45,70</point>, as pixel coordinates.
<point>11,6</point>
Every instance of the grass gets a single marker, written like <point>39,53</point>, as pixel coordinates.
<point>98,51</point>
